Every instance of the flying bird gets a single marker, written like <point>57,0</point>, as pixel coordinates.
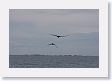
<point>52,44</point>
<point>58,36</point>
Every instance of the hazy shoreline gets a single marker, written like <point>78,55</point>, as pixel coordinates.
<point>49,55</point>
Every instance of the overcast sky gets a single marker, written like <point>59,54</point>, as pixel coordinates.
<point>30,31</point>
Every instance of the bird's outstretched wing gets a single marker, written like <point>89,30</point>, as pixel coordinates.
<point>53,35</point>
<point>65,36</point>
<point>56,46</point>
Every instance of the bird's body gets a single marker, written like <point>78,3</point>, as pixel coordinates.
<point>52,44</point>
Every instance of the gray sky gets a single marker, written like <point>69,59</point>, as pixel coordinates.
<point>30,29</point>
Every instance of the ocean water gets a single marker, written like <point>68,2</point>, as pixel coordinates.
<point>53,61</point>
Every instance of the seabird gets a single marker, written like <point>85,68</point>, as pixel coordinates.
<point>53,44</point>
<point>58,36</point>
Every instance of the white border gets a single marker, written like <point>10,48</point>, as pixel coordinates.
<point>102,5</point>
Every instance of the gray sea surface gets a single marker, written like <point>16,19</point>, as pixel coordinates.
<point>53,61</point>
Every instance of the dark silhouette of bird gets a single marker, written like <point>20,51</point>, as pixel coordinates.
<point>58,36</point>
<point>52,44</point>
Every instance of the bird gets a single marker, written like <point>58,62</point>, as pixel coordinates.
<point>59,36</point>
<point>52,44</point>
